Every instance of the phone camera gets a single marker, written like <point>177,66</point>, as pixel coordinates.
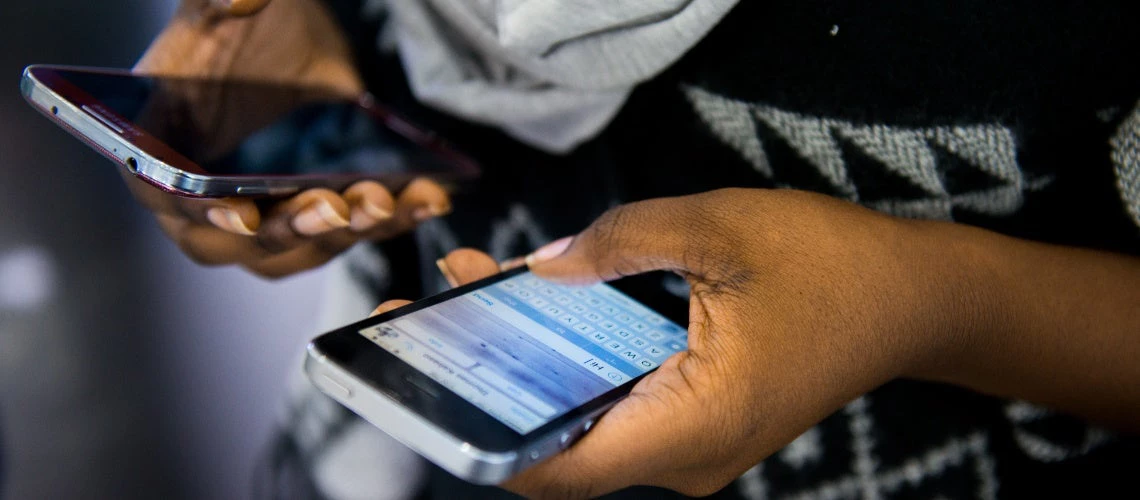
<point>132,165</point>
<point>55,110</point>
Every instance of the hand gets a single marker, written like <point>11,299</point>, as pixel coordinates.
<point>799,303</point>
<point>292,42</point>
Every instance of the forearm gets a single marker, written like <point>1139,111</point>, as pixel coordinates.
<point>1054,325</point>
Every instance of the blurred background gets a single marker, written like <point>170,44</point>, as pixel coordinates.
<point>126,371</point>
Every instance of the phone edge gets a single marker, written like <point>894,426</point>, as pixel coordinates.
<point>436,445</point>
<point>100,137</point>
<point>153,170</point>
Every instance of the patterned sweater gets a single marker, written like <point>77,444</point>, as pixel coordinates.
<point>1019,116</point>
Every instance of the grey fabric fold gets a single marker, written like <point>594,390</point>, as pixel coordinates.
<point>552,73</point>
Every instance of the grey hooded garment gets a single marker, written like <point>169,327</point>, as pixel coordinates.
<point>551,73</point>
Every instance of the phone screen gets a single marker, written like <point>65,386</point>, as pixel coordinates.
<point>526,350</point>
<point>236,128</point>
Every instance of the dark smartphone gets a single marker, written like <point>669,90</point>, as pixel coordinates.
<point>217,138</point>
<point>490,378</point>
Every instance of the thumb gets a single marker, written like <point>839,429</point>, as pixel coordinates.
<point>629,239</point>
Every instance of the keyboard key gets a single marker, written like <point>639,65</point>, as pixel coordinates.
<point>655,335</point>
<point>593,316</point>
<point>607,325</point>
<point>553,311</point>
<point>623,333</point>
<point>629,355</point>
<point>639,326</point>
<point>655,351</point>
<point>676,346</point>
<point>610,310</point>
<point>579,308</point>
<point>538,302</point>
<point>532,282</point>
<point>583,328</point>
<point>567,319</point>
<point>508,285</point>
<point>563,299</point>
<point>599,337</point>
<point>624,318</point>
<point>655,320</point>
<point>638,342</point>
<point>614,346</point>
<point>645,363</point>
<point>548,291</point>
<point>524,293</point>
<point>581,293</point>
<point>594,302</point>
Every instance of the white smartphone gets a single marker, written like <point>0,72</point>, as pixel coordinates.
<point>490,378</point>
<point>217,138</point>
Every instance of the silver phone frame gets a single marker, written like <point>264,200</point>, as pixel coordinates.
<point>107,136</point>
<point>112,144</point>
<point>429,440</point>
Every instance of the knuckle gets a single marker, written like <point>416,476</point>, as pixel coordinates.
<point>716,218</point>
<point>722,226</point>
<point>610,239</point>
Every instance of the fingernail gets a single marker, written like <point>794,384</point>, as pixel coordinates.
<point>228,220</point>
<point>549,251</point>
<point>446,272</point>
<point>317,219</point>
<point>375,210</point>
<point>367,215</point>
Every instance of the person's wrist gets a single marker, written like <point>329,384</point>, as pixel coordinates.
<point>962,298</point>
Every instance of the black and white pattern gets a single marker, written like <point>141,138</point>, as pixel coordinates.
<point>909,156</point>
<point>866,475</point>
<point>971,111</point>
<point>1126,159</point>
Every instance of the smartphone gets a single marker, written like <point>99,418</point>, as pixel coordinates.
<point>217,138</point>
<point>490,378</point>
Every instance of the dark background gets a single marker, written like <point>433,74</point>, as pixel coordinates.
<point>126,371</point>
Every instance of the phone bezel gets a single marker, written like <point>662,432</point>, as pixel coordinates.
<point>153,161</point>
<point>350,350</point>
